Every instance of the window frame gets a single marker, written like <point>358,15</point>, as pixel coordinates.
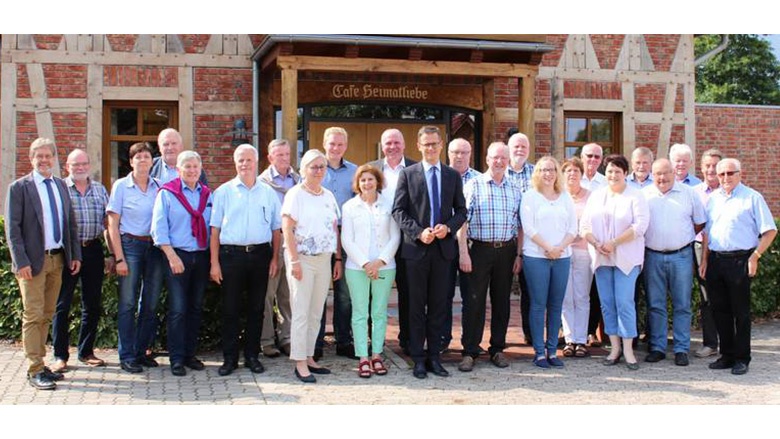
<point>615,146</point>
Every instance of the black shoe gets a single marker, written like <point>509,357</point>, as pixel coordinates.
<point>406,351</point>
<point>681,359</point>
<point>194,364</point>
<point>419,371</point>
<point>346,350</point>
<point>317,354</point>
<point>319,370</point>
<point>655,356</point>
<point>721,363</point>
<point>227,368</point>
<point>739,368</point>
<point>177,369</point>
<point>50,374</point>
<point>254,365</point>
<point>436,368</point>
<point>148,361</point>
<point>131,367</point>
<point>306,379</point>
<point>41,382</point>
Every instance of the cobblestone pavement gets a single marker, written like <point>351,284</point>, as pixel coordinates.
<point>582,381</point>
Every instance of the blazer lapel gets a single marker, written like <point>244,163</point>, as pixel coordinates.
<point>32,194</point>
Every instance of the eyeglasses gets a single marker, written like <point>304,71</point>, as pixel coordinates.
<point>727,173</point>
<point>548,170</point>
<point>593,156</point>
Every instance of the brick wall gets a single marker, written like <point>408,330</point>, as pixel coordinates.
<point>750,134</point>
<point>140,76</point>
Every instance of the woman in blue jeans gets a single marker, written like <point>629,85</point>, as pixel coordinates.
<point>139,264</point>
<point>370,238</point>
<point>549,225</point>
<point>614,224</point>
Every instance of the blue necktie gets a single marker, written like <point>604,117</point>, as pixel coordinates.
<point>436,214</point>
<point>53,206</point>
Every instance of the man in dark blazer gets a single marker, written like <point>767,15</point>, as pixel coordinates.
<point>170,143</point>
<point>393,146</point>
<point>41,230</point>
<point>429,208</point>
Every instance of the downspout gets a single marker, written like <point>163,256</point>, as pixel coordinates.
<point>255,105</point>
<point>724,43</point>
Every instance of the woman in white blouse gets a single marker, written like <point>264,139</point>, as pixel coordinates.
<point>549,226</point>
<point>370,238</point>
<point>614,224</point>
<point>310,226</point>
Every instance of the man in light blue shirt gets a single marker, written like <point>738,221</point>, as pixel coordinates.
<point>245,238</point>
<point>740,228</point>
<point>641,163</point>
<point>339,181</point>
<point>681,156</point>
<point>676,216</point>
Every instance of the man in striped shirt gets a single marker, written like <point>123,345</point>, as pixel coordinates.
<point>493,230</point>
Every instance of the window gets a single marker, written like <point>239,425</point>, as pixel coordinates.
<point>583,128</point>
<point>126,123</point>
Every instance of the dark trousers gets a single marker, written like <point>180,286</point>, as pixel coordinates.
<point>708,330</point>
<point>185,304</point>
<point>342,309</point>
<point>428,279</point>
<point>595,309</point>
<point>243,275</point>
<point>490,267</point>
<point>91,276</point>
<point>728,285</point>
<point>525,305</point>
<point>402,286</point>
<point>461,279</point>
<point>640,299</point>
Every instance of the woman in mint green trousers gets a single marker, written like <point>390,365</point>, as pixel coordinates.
<point>370,237</point>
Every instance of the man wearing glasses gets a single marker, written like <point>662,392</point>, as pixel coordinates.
<point>591,156</point>
<point>740,228</point>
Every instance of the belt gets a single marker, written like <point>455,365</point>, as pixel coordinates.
<point>88,242</point>
<point>732,254</point>
<point>146,238</point>
<point>494,244</point>
<point>54,251</point>
<point>251,248</point>
<point>670,252</point>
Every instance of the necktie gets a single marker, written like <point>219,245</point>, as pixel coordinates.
<point>53,206</point>
<point>436,214</point>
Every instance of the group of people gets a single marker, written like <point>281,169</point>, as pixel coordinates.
<point>275,242</point>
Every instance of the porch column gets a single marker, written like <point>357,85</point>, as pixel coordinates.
<point>525,111</point>
<point>290,111</point>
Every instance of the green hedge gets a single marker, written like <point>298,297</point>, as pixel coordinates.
<point>765,302</point>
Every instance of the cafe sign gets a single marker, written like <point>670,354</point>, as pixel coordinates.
<point>373,91</point>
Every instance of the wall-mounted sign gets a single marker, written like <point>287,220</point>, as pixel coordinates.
<point>374,91</point>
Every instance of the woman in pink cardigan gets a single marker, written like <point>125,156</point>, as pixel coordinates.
<point>614,224</point>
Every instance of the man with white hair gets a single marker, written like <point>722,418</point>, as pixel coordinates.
<point>740,228</point>
<point>682,158</point>
<point>246,224</point>
<point>170,143</point>
<point>591,156</point>
<point>641,163</point>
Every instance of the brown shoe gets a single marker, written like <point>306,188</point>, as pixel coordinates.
<point>59,366</point>
<point>92,360</point>
<point>270,351</point>
<point>499,360</point>
<point>286,349</point>
<point>467,364</point>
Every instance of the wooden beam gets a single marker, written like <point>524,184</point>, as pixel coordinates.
<point>84,43</point>
<point>214,46</point>
<point>510,115</point>
<point>43,119</point>
<point>643,117</point>
<point>143,44</point>
<point>8,42</point>
<point>525,107</point>
<point>60,105</point>
<point>557,118</point>
<point>245,46</point>
<point>223,108</point>
<point>7,126</point>
<point>629,120</point>
<point>592,104</point>
<point>69,42</point>
<point>229,44</point>
<point>665,134</point>
<point>488,114</point>
<point>290,109</point>
<point>689,110</point>
<point>186,98</point>
<point>25,41</point>
<point>173,44</point>
<point>372,65</point>
<point>95,119</point>
<point>99,43</point>
<point>127,58</point>
<point>141,93</point>
<point>614,75</point>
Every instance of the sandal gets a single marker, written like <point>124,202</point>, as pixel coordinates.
<point>364,369</point>
<point>580,351</point>
<point>378,366</point>
<point>568,350</point>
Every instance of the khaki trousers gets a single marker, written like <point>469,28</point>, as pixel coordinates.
<point>307,297</point>
<point>278,292</point>
<point>39,299</point>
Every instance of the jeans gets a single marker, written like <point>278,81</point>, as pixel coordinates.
<point>244,283</point>
<point>576,303</point>
<point>616,292</point>
<point>547,279</point>
<point>672,273</point>
<point>145,264</point>
<point>342,309</point>
<point>376,292</point>
<point>185,304</point>
<point>91,276</point>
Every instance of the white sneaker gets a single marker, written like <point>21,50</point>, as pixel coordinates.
<point>706,351</point>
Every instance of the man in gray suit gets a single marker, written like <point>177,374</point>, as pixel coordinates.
<point>40,226</point>
<point>393,147</point>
